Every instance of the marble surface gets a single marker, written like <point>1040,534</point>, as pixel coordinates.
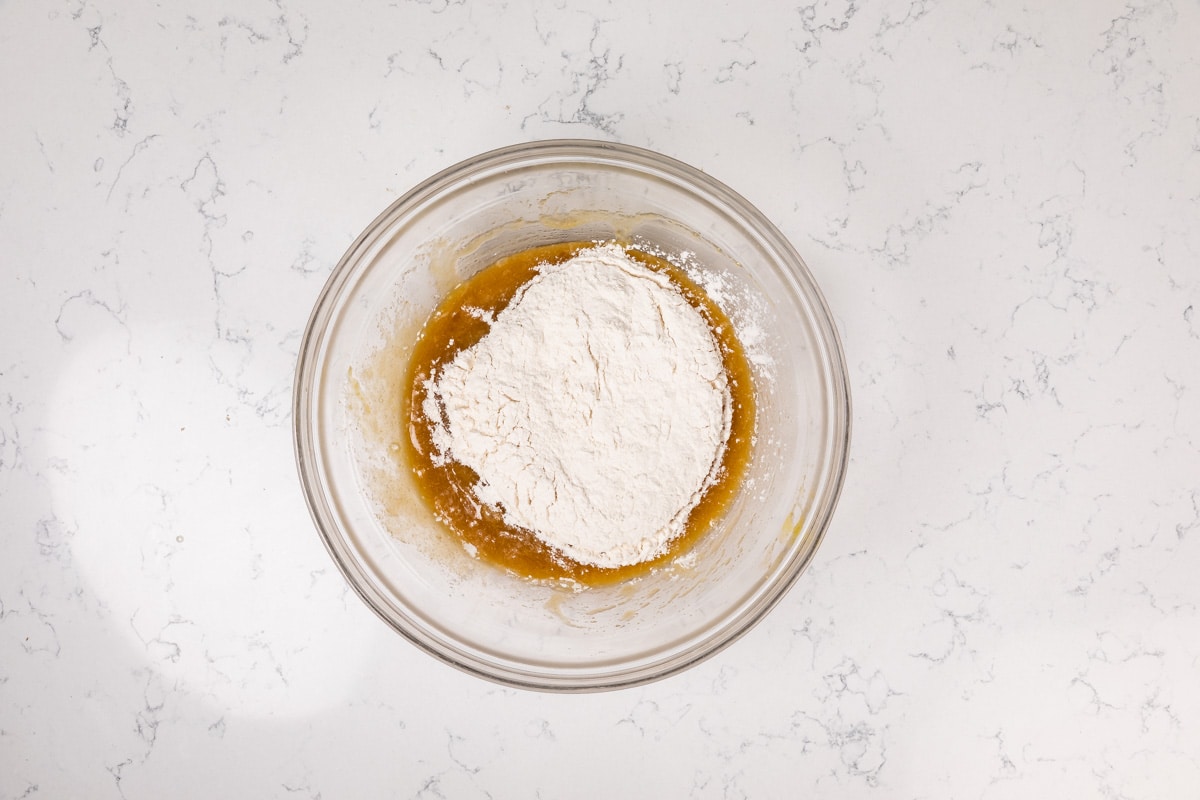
<point>1000,200</point>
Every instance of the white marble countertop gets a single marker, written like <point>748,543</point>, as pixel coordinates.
<point>1000,200</point>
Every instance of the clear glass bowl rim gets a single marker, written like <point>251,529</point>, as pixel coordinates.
<point>584,151</point>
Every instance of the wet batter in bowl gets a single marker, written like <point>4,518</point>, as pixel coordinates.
<point>578,411</point>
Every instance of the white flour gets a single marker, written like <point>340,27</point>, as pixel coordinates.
<point>595,411</point>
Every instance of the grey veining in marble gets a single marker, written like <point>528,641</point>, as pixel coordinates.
<point>1001,202</point>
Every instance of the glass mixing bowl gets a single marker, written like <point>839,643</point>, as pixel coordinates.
<point>546,635</point>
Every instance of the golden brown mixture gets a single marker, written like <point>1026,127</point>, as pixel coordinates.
<point>446,487</point>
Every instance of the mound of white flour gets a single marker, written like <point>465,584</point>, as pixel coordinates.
<point>595,411</point>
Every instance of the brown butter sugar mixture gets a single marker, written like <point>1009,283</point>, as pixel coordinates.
<point>448,487</point>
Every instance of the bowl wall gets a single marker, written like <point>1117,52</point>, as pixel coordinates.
<point>412,572</point>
